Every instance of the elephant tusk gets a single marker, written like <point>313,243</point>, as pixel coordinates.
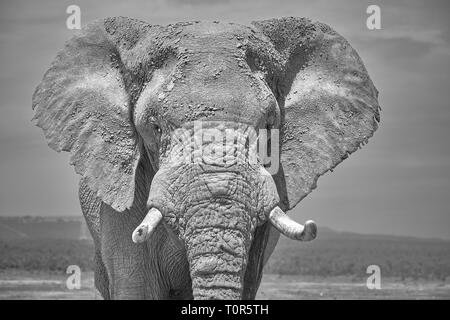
<point>292,229</point>
<point>147,226</point>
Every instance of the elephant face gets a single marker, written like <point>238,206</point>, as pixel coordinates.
<point>200,101</point>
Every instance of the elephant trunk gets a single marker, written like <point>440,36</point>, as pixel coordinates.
<point>217,250</point>
<point>213,194</point>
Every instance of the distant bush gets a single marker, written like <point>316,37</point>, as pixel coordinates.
<point>46,254</point>
<point>406,259</point>
<point>336,257</point>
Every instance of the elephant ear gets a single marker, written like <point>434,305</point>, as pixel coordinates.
<point>83,107</point>
<point>330,103</point>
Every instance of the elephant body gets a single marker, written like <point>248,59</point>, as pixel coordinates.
<point>192,141</point>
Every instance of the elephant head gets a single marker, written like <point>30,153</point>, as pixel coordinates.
<point>192,99</point>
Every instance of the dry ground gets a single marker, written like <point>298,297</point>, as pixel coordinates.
<point>43,285</point>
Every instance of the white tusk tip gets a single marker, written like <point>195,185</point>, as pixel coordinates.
<point>140,234</point>
<point>147,226</point>
<point>292,229</point>
<point>310,230</point>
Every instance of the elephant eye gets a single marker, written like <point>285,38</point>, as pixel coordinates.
<point>154,125</point>
<point>258,63</point>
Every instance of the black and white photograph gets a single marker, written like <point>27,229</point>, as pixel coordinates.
<point>224,150</point>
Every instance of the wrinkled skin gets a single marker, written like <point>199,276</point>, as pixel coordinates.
<point>117,95</point>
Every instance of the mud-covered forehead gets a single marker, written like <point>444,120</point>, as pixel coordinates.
<point>211,71</point>
<point>209,28</point>
<point>223,43</point>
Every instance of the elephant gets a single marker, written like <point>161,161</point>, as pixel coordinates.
<point>160,123</point>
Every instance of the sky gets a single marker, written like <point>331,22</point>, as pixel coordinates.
<point>399,183</point>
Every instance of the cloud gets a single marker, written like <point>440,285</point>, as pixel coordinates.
<point>197,2</point>
<point>395,49</point>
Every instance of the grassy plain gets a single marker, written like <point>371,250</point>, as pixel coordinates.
<point>35,253</point>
